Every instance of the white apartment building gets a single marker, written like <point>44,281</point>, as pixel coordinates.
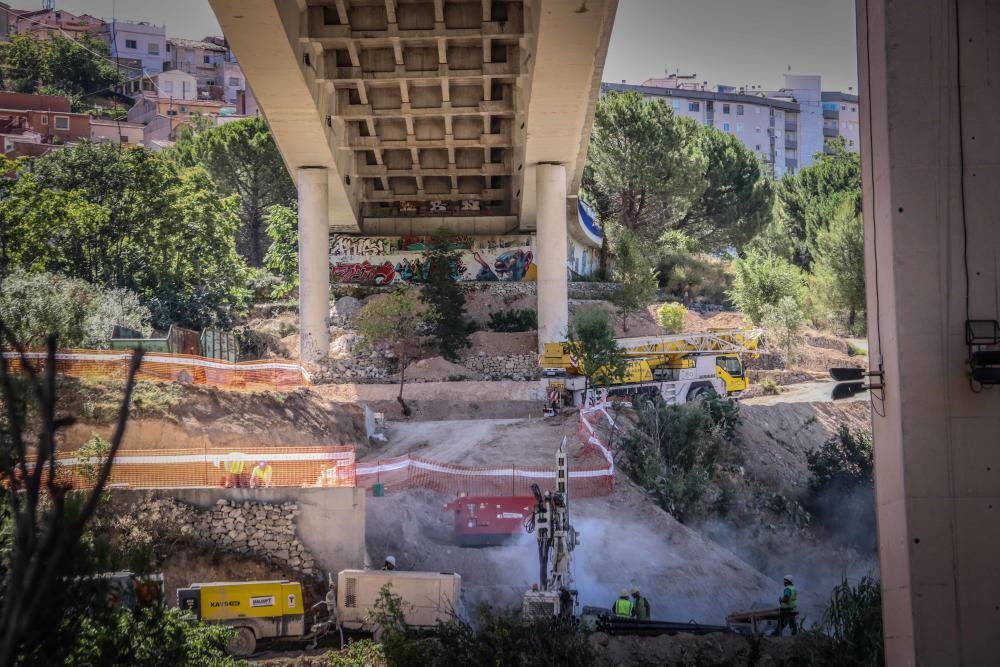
<point>142,42</point>
<point>767,126</point>
<point>786,128</point>
<point>840,119</point>
<point>218,74</point>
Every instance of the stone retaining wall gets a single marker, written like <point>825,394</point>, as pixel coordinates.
<point>504,366</point>
<point>261,531</point>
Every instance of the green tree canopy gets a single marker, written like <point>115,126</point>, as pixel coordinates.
<point>762,281</point>
<point>57,66</point>
<point>128,218</point>
<point>445,298</point>
<point>392,323</point>
<point>738,198</point>
<point>243,160</point>
<point>808,200</point>
<point>645,167</point>
<point>636,276</point>
<point>839,268</point>
<point>282,256</point>
<point>591,339</point>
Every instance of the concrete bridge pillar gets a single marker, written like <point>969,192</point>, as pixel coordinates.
<point>931,165</point>
<point>550,235</point>
<point>314,264</point>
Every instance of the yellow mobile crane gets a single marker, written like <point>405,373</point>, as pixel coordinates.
<point>680,368</point>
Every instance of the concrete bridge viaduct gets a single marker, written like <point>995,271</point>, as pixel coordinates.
<point>381,107</point>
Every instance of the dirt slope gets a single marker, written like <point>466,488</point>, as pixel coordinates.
<point>186,416</point>
<point>626,540</point>
<point>777,437</point>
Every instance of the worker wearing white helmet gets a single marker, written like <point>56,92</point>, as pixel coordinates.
<point>390,563</point>
<point>623,606</point>
<point>787,604</point>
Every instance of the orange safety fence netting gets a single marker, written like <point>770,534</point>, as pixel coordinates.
<point>177,468</point>
<point>164,367</point>
<point>407,471</point>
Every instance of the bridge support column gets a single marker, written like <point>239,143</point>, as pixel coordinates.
<point>930,172</point>
<point>553,299</point>
<point>314,264</point>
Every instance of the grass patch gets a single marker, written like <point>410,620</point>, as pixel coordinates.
<point>99,399</point>
<point>770,387</point>
<point>856,350</point>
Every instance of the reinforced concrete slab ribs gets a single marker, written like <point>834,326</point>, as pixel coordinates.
<point>421,110</point>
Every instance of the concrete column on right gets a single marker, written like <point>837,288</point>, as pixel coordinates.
<point>551,242</point>
<point>931,175</point>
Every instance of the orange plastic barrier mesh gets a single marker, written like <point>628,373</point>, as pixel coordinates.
<point>408,471</point>
<point>163,367</point>
<point>176,468</point>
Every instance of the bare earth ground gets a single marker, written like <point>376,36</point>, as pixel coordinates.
<point>685,575</point>
<point>191,416</point>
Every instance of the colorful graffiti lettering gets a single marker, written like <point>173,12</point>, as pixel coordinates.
<point>363,273</point>
<point>385,260</point>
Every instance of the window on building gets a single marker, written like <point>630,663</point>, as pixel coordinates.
<point>206,59</point>
<point>725,127</point>
<point>739,109</point>
<point>131,44</point>
<point>234,81</point>
<point>758,130</point>
<point>184,109</point>
<point>675,104</point>
<point>61,122</point>
<point>758,148</point>
<point>725,108</point>
<point>854,108</point>
<point>710,106</point>
<point>45,120</point>
<point>694,106</point>
<point>843,107</point>
<point>168,47</point>
<point>772,112</point>
<point>739,127</point>
<point>154,49</point>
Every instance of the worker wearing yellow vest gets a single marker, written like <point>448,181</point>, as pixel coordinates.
<point>261,475</point>
<point>235,467</point>
<point>787,604</point>
<point>623,606</point>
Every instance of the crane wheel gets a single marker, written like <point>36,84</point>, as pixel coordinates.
<point>696,394</point>
<point>243,644</point>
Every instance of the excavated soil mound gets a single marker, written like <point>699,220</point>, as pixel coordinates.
<point>480,303</point>
<point>694,322</point>
<point>493,342</point>
<point>201,416</point>
<point>437,368</point>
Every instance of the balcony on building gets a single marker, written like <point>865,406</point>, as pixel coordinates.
<point>831,114</point>
<point>791,126</point>
<point>830,132</point>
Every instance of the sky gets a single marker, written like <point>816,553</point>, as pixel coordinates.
<point>735,42</point>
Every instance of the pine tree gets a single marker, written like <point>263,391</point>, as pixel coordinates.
<point>445,297</point>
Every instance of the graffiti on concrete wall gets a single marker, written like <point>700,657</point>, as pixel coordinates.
<point>387,260</point>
